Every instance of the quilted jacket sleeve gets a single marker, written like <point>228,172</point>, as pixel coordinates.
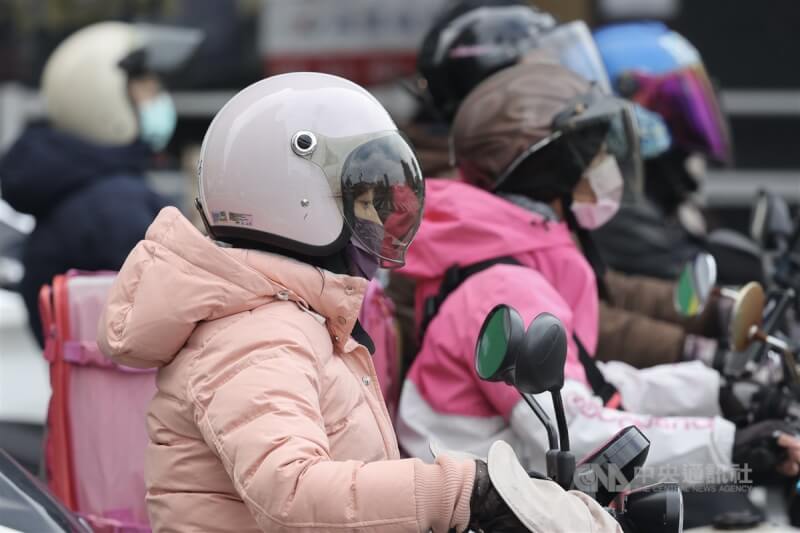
<point>260,413</point>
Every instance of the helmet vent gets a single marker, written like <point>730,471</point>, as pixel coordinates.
<point>304,143</point>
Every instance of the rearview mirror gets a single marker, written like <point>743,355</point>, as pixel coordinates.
<point>541,368</point>
<point>531,361</point>
<point>770,221</point>
<point>695,285</point>
<point>499,343</point>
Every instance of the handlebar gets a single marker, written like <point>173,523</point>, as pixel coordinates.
<point>655,508</point>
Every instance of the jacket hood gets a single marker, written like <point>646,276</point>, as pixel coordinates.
<point>464,224</point>
<point>176,278</point>
<point>45,165</point>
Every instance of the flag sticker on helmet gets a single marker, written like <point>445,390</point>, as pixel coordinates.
<point>219,216</point>
<point>241,219</point>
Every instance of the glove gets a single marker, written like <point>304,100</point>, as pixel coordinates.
<point>746,402</point>
<point>488,510</point>
<point>736,401</point>
<point>774,403</point>
<point>770,370</point>
<point>757,445</point>
<point>703,349</point>
<point>506,498</point>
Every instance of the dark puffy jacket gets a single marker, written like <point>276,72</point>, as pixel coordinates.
<point>91,205</point>
<point>642,240</point>
<point>642,327</point>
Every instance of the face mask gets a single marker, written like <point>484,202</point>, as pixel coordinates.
<point>157,119</point>
<point>362,261</point>
<point>605,179</point>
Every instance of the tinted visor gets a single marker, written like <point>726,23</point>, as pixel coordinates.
<point>382,191</point>
<point>589,125</point>
<point>687,101</point>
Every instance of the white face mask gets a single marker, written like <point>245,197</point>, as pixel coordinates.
<point>605,178</point>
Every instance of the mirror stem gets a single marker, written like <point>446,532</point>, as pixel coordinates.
<point>775,317</point>
<point>776,314</point>
<point>565,461</point>
<point>561,420</point>
<point>552,436</point>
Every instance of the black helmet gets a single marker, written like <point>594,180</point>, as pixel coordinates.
<point>473,39</point>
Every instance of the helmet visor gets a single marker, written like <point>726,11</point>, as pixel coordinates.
<point>687,101</point>
<point>573,46</point>
<point>597,122</point>
<point>380,184</point>
<point>167,48</point>
<point>590,125</point>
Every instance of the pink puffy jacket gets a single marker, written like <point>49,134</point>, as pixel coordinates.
<point>466,225</point>
<point>268,415</point>
<point>443,400</point>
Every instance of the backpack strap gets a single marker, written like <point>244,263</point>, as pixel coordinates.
<point>457,274</point>
<point>602,388</point>
<point>453,278</point>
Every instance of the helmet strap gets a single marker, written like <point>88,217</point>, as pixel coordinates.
<point>336,262</point>
<point>199,207</point>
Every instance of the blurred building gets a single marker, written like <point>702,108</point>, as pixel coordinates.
<point>749,47</point>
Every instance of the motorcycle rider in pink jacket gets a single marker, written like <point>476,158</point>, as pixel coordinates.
<point>268,416</point>
<point>541,150</point>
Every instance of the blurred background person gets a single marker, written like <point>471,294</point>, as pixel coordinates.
<point>472,40</point>
<point>81,174</point>
<point>656,233</point>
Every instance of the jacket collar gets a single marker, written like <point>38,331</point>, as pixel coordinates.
<point>252,277</point>
<point>337,298</point>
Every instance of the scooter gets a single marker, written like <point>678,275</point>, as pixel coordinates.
<point>532,361</point>
<point>761,365</point>
<point>27,505</point>
<point>759,352</point>
<point>771,226</point>
<point>24,383</point>
<point>757,256</point>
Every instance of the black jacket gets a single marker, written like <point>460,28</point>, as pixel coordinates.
<point>642,240</point>
<point>91,205</point>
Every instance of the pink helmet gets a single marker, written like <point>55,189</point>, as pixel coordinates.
<point>292,161</point>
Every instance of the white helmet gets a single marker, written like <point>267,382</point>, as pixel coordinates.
<point>298,162</point>
<point>85,81</point>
